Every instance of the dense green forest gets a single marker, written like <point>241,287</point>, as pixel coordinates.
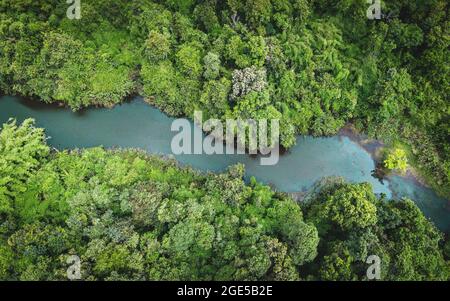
<point>314,64</point>
<point>133,216</point>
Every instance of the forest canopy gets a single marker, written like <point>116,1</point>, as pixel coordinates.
<point>314,64</point>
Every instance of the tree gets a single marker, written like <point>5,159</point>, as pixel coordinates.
<point>302,238</point>
<point>188,60</point>
<point>6,260</point>
<point>205,14</point>
<point>211,65</point>
<point>398,234</point>
<point>160,86</point>
<point>21,150</point>
<point>258,12</point>
<point>214,98</point>
<point>157,46</point>
<point>183,6</point>
<point>338,265</point>
<point>248,80</point>
<point>396,159</point>
<point>347,207</point>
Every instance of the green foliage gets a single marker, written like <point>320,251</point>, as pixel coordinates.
<point>337,266</point>
<point>160,85</point>
<point>132,216</point>
<point>396,159</point>
<point>22,151</point>
<point>347,207</point>
<point>188,59</point>
<point>214,98</point>
<point>157,46</point>
<point>355,224</point>
<point>212,66</point>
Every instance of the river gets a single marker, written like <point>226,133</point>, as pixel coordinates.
<point>135,124</point>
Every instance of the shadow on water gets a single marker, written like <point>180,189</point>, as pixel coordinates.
<point>36,105</point>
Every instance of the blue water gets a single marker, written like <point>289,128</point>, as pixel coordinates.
<point>139,125</point>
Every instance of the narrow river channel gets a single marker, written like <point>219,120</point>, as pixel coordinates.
<point>138,125</point>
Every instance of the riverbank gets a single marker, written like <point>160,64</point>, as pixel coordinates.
<point>376,148</point>
<point>372,146</point>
